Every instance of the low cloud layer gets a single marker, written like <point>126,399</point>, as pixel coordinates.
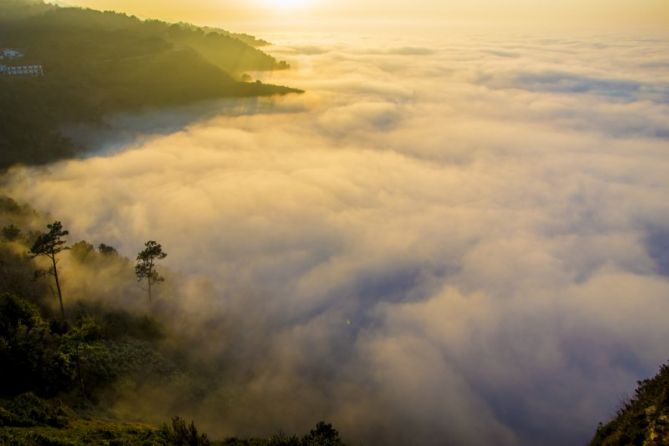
<point>448,240</point>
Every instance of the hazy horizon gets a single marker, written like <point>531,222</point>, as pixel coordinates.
<point>595,15</point>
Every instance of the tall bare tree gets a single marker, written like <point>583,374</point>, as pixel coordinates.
<point>49,244</point>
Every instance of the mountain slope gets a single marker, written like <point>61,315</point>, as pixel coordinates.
<point>644,420</point>
<point>98,63</point>
<point>218,46</point>
<point>61,376</point>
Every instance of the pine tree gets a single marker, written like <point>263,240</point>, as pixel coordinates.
<point>49,244</point>
<point>145,267</point>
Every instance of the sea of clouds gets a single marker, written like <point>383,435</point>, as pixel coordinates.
<point>452,238</point>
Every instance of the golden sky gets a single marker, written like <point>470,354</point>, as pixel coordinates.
<point>618,13</point>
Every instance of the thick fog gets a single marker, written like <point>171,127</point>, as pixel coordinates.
<point>453,238</point>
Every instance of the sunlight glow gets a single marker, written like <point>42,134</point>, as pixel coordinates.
<point>285,5</point>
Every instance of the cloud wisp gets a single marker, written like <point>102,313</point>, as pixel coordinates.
<point>454,241</point>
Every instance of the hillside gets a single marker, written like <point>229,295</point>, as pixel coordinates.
<point>642,421</point>
<point>31,26</point>
<point>61,376</point>
<point>98,63</point>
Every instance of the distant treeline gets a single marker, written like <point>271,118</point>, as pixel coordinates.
<point>97,63</point>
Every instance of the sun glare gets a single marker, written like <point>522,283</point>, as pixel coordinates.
<point>284,5</point>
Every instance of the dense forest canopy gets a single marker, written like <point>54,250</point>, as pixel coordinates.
<point>96,63</point>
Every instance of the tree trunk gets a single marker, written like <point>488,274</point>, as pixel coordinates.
<point>148,279</point>
<point>60,294</point>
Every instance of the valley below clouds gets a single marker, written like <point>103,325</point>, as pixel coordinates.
<point>450,238</point>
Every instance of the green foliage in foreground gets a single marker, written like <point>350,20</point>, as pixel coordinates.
<point>82,431</point>
<point>97,63</point>
<point>86,355</point>
<point>75,360</point>
<point>28,420</point>
<point>28,410</point>
<point>322,435</point>
<point>642,421</point>
<point>58,378</point>
<point>178,432</point>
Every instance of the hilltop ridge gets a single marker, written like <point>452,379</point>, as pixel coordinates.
<point>643,420</point>
<point>106,62</point>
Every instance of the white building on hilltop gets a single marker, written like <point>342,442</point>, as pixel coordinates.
<point>22,70</point>
<point>10,53</point>
<point>9,66</point>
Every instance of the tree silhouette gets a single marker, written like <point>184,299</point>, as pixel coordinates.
<point>107,250</point>
<point>322,435</point>
<point>146,264</point>
<point>11,233</point>
<point>49,244</point>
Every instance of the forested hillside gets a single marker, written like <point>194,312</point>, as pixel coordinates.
<point>644,419</point>
<point>97,63</point>
<point>62,372</point>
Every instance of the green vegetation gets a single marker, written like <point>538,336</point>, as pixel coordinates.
<point>62,373</point>
<point>29,420</point>
<point>97,63</point>
<point>81,431</point>
<point>322,435</point>
<point>85,354</point>
<point>39,422</point>
<point>643,420</point>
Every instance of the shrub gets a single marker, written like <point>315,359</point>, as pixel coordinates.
<point>29,410</point>
<point>178,433</point>
<point>32,357</point>
<point>322,435</point>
